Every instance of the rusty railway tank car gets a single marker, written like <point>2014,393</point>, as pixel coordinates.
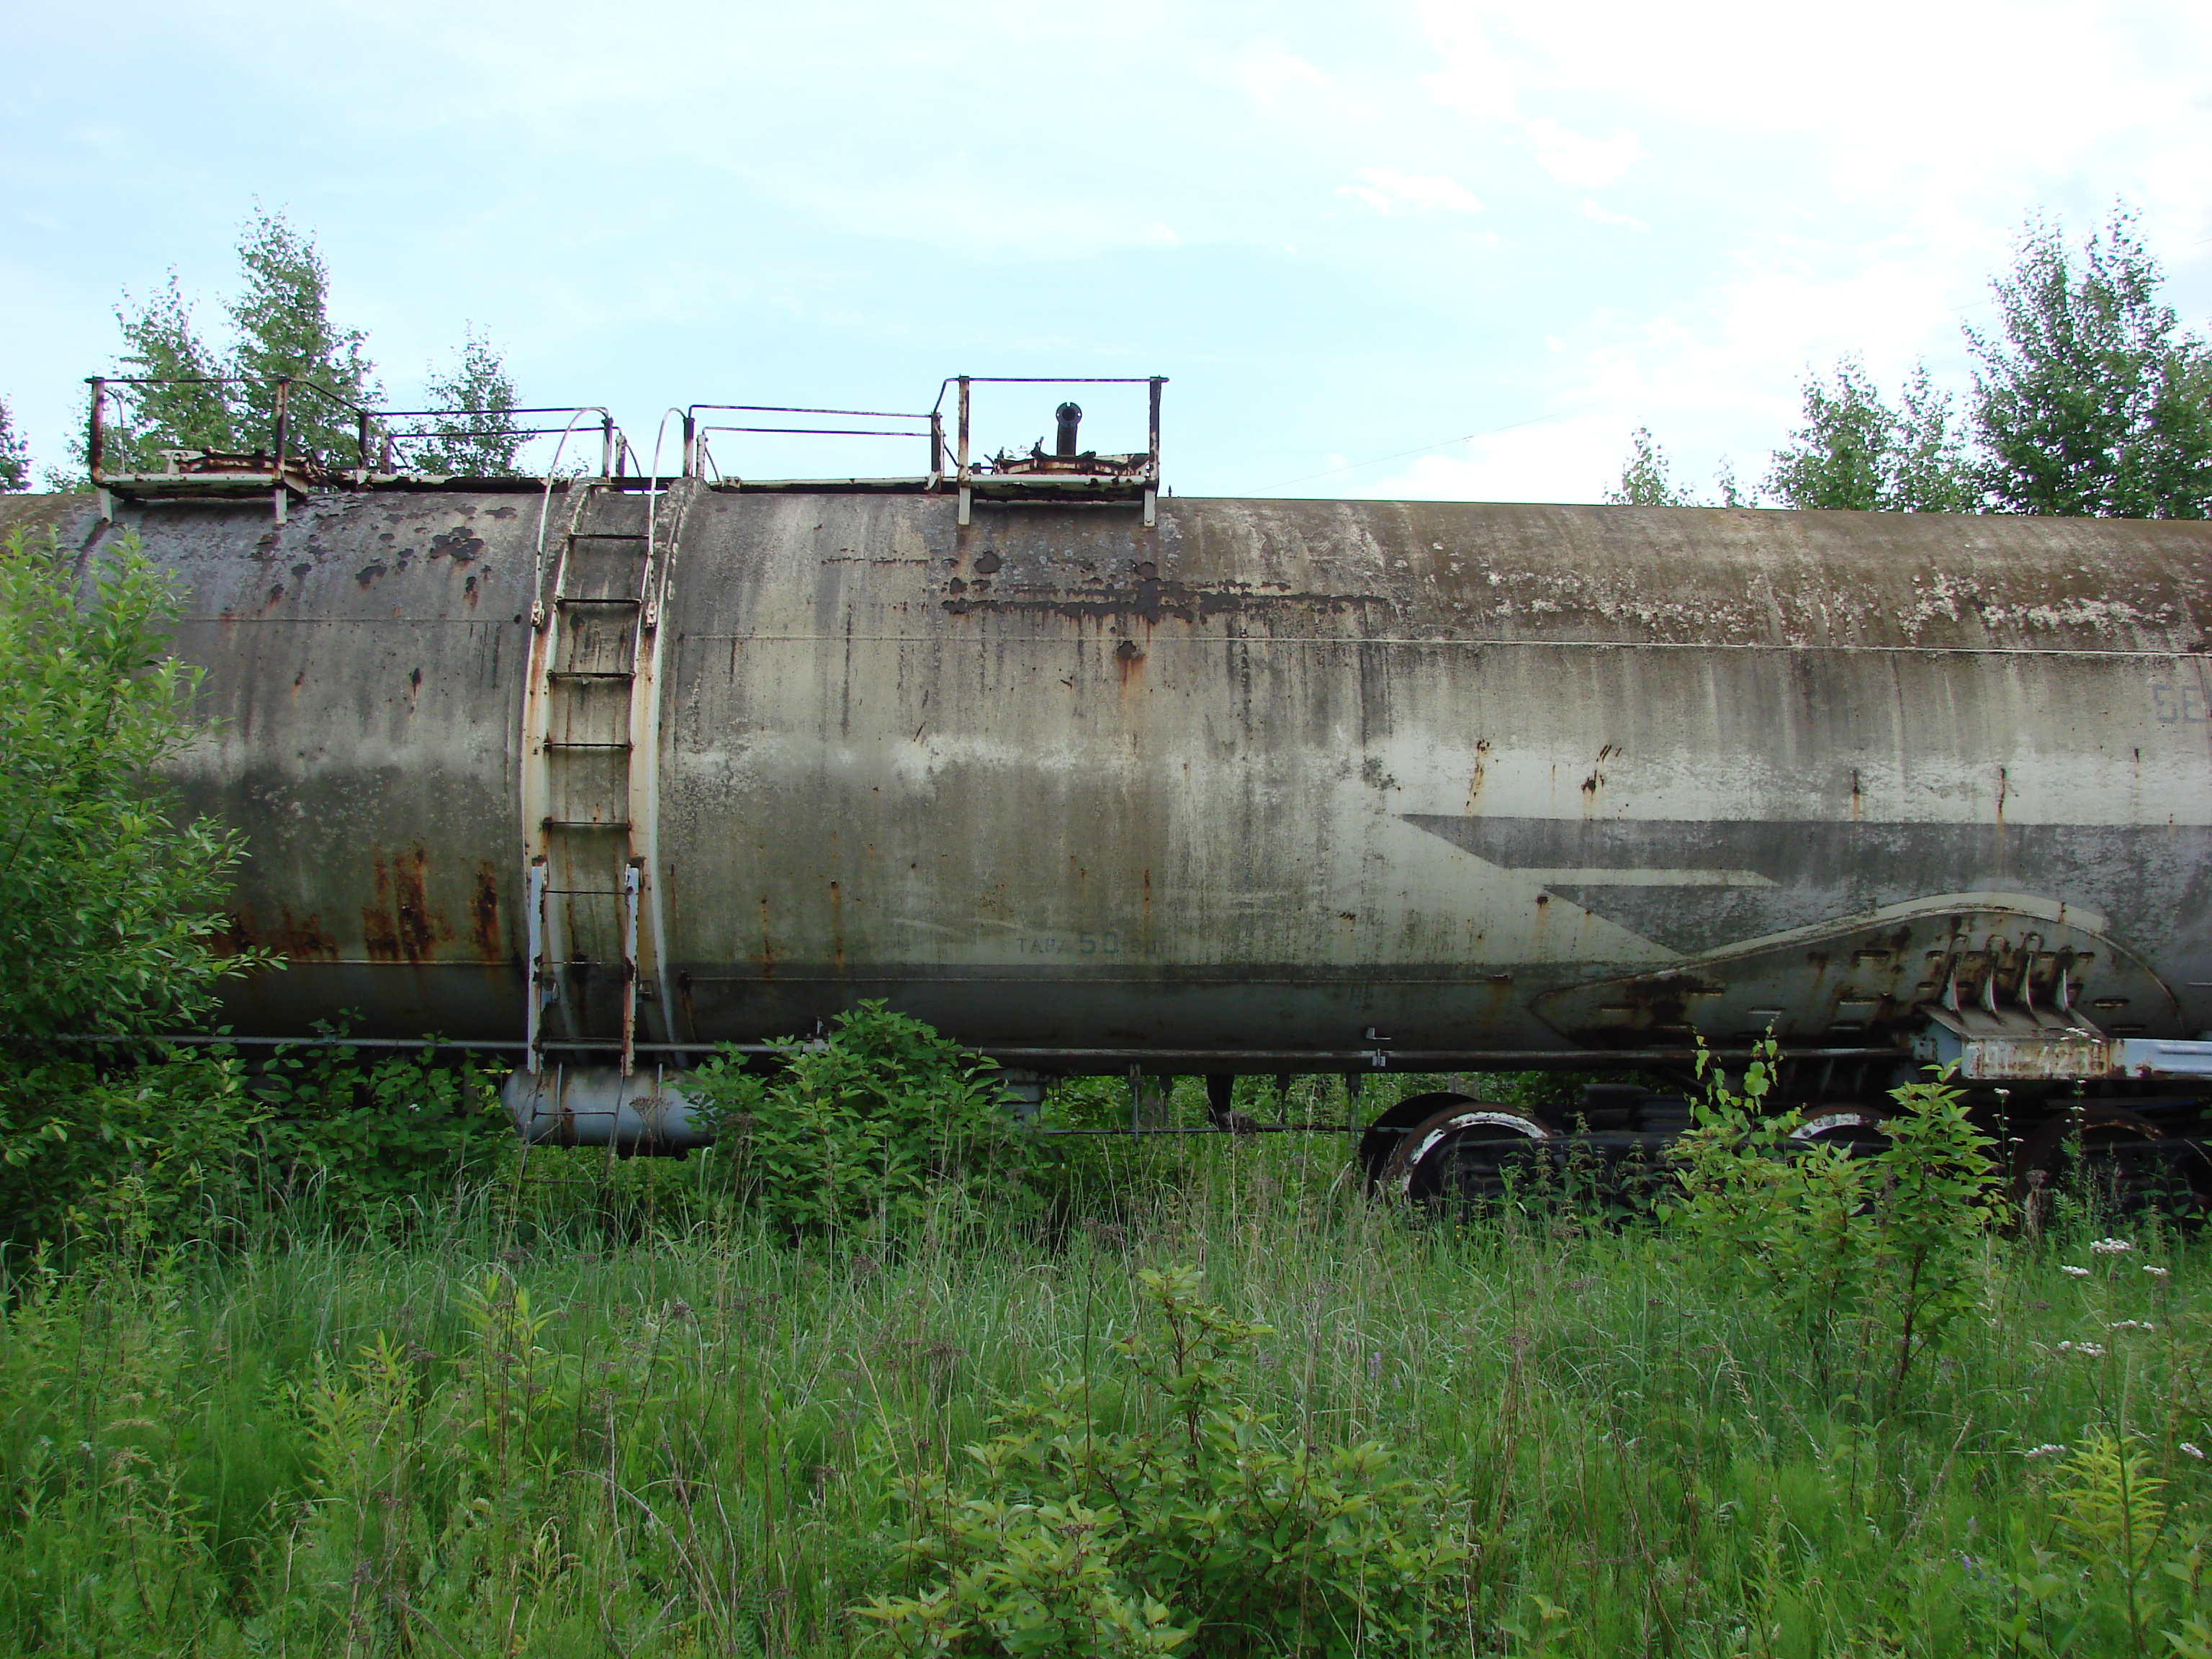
<point>608,769</point>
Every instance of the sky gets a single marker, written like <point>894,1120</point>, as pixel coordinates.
<point>1444,249</point>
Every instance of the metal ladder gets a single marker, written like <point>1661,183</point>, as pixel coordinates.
<point>589,794</point>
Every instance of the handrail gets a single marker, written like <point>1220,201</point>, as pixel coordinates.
<point>1044,379</point>
<point>695,430</point>
<point>616,449</point>
<point>496,422</point>
<point>965,473</point>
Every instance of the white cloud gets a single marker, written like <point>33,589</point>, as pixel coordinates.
<point>854,200</point>
<point>1387,190</point>
<point>1273,75</point>
<point>1592,210</point>
<point>1935,100</point>
<point>1572,158</point>
<point>1554,460</point>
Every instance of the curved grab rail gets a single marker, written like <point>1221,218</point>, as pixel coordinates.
<point>652,478</point>
<point>545,499</point>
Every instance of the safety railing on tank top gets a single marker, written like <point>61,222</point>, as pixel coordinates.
<point>399,448</point>
<point>699,461</point>
<point>384,451</point>
<point>1068,472</point>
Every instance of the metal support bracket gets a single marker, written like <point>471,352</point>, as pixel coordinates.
<point>534,996</point>
<point>631,879</point>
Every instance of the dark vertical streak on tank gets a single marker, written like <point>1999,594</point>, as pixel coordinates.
<point>1129,662</point>
<point>418,928</point>
<point>380,931</point>
<point>845,682</point>
<point>484,930</point>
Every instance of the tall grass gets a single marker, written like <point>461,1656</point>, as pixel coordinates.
<point>614,1418</point>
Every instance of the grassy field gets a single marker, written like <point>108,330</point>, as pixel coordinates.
<point>600,1414</point>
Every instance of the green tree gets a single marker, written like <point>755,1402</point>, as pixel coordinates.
<point>2093,402</point>
<point>15,453</point>
<point>1856,453</point>
<point>1929,469</point>
<point>192,412</point>
<point>211,400</point>
<point>1645,480</point>
<point>284,329</point>
<point>479,438</point>
<point>107,901</point>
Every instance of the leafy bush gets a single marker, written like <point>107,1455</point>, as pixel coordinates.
<point>1208,1525</point>
<point>883,1118</point>
<point>194,1144</point>
<point>349,1138</point>
<point>1889,1241</point>
<point>1792,1222</point>
<point>150,1150</point>
<point>107,902</point>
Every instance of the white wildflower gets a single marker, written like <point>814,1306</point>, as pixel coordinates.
<point>2111,1247</point>
<point>2193,1451</point>
<point>2047,1450</point>
<point>2094,1350</point>
<point>2075,1272</point>
<point>2131,1325</point>
<point>2065,1347</point>
<point>2156,1273</point>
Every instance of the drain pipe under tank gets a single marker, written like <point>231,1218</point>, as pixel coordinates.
<point>598,1106</point>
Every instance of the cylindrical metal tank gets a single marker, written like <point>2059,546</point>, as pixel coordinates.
<point>1270,784</point>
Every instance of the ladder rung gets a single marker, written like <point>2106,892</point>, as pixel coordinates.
<point>586,823</point>
<point>588,892</point>
<point>552,743</point>
<point>590,674</point>
<point>578,598</point>
<point>605,536</point>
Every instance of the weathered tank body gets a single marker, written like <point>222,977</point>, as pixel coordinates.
<point>1264,786</point>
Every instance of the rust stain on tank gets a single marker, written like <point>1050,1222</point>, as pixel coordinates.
<point>420,929</point>
<point>239,934</point>
<point>300,938</point>
<point>484,930</point>
<point>379,933</point>
<point>765,958</point>
<point>1129,661</point>
<point>1144,593</point>
<point>399,925</point>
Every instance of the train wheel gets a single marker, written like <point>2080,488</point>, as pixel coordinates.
<point>1861,1130</point>
<point>1390,1128</point>
<point>1468,1152</point>
<point>2123,1151</point>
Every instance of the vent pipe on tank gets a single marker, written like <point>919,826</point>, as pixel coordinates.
<point>1070,415</point>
